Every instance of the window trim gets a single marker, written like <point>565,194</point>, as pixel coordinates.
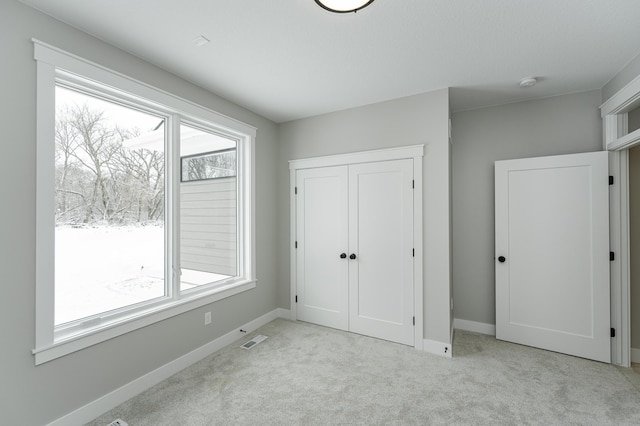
<point>53,64</point>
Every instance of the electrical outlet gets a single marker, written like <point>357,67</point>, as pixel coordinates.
<point>207,318</point>
<point>118,422</point>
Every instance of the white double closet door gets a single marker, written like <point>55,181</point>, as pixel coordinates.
<point>354,256</point>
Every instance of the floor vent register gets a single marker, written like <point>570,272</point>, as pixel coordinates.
<point>251,343</point>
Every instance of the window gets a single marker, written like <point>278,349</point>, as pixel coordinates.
<point>109,207</point>
<point>144,205</point>
<point>208,200</point>
<point>210,165</point>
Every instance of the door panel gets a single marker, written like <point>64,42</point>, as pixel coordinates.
<point>552,227</point>
<point>322,235</point>
<point>381,237</point>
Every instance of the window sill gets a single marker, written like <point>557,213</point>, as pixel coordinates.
<point>72,342</point>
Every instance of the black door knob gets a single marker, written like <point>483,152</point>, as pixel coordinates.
<point>343,255</point>
<point>353,256</point>
<point>501,259</point>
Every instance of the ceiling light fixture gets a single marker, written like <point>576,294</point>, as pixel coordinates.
<point>528,82</point>
<point>343,6</point>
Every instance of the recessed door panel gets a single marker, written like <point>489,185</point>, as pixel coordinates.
<point>381,237</point>
<point>552,267</point>
<point>322,235</point>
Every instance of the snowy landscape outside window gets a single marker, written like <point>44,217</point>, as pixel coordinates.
<point>122,240</point>
<point>211,165</point>
<point>109,233</point>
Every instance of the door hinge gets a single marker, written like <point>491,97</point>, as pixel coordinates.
<point>295,190</point>
<point>610,180</point>
<point>296,298</point>
<point>413,252</point>
<point>613,332</point>
<point>612,256</point>
<point>296,244</point>
<point>413,184</point>
<point>414,320</point>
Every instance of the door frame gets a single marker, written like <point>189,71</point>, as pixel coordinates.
<point>618,141</point>
<point>414,152</point>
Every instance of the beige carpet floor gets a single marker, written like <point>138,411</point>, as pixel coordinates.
<point>309,375</point>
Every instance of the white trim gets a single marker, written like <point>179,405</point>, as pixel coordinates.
<point>284,313</point>
<point>126,325</point>
<point>620,267</point>
<point>105,403</point>
<point>635,355</point>
<point>615,127</point>
<point>293,236</point>
<point>623,100</point>
<point>45,170</point>
<point>414,152</point>
<point>627,141</point>
<point>437,348</point>
<point>78,66</point>
<point>55,65</point>
<point>475,327</point>
<point>418,272</point>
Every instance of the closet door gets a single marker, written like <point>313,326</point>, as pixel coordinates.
<point>381,300</point>
<point>322,237</point>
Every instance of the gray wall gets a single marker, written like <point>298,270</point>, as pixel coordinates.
<point>558,125</point>
<point>420,119</point>
<point>33,395</point>
<point>41,394</point>
<point>622,78</point>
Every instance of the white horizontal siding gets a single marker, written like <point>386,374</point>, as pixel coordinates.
<point>225,219</point>
<point>214,236</point>
<point>200,210</point>
<point>208,226</point>
<point>208,185</point>
<point>206,196</point>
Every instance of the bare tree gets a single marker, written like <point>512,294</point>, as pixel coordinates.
<point>66,143</point>
<point>106,181</point>
<point>210,166</point>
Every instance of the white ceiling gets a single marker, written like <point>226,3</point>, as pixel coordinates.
<point>288,59</point>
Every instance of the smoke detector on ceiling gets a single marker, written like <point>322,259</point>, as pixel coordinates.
<point>200,41</point>
<point>528,82</point>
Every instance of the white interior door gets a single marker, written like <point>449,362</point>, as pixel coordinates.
<point>552,253</point>
<point>381,240</point>
<point>322,237</point>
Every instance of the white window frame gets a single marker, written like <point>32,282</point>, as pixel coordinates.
<point>55,65</point>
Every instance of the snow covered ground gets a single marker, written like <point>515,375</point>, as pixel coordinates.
<point>106,267</point>
<point>98,269</point>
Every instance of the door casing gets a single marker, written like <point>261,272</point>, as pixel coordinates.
<point>618,141</point>
<point>415,152</point>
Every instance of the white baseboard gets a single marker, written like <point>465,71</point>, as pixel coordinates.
<point>476,327</point>
<point>284,313</point>
<point>635,355</point>
<point>105,403</point>
<point>437,348</point>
